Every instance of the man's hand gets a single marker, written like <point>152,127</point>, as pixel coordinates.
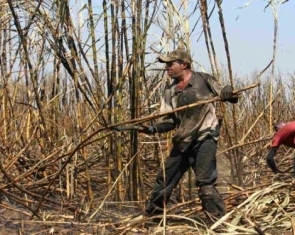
<point>146,129</point>
<point>226,94</point>
<point>141,129</point>
<point>125,128</point>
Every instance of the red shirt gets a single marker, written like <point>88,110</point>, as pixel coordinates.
<point>285,136</point>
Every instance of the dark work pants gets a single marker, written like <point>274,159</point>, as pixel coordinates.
<point>201,157</point>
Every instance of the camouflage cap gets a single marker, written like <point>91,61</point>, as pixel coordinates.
<point>176,55</point>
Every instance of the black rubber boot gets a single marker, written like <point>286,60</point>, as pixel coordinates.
<point>212,203</point>
<point>153,210</point>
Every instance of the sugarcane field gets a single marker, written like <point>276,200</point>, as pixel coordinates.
<point>150,117</point>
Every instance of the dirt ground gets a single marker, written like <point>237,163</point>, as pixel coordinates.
<point>14,220</point>
<point>17,223</point>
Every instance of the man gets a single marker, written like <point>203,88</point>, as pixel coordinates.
<point>285,135</point>
<point>195,140</point>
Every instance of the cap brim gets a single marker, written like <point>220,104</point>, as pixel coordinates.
<point>165,59</point>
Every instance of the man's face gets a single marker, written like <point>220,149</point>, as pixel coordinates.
<point>175,69</point>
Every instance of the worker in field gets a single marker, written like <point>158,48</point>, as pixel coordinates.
<point>284,135</point>
<point>196,136</point>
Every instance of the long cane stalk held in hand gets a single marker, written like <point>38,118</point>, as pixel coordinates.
<point>158,115</point>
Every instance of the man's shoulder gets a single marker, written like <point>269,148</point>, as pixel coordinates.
<point>291,124</point>
<point>286,130</point>
<point>202,75</point>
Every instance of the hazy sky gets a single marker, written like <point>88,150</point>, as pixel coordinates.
<point>250,33</point>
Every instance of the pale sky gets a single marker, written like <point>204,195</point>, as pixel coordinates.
<point>250,33</point>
